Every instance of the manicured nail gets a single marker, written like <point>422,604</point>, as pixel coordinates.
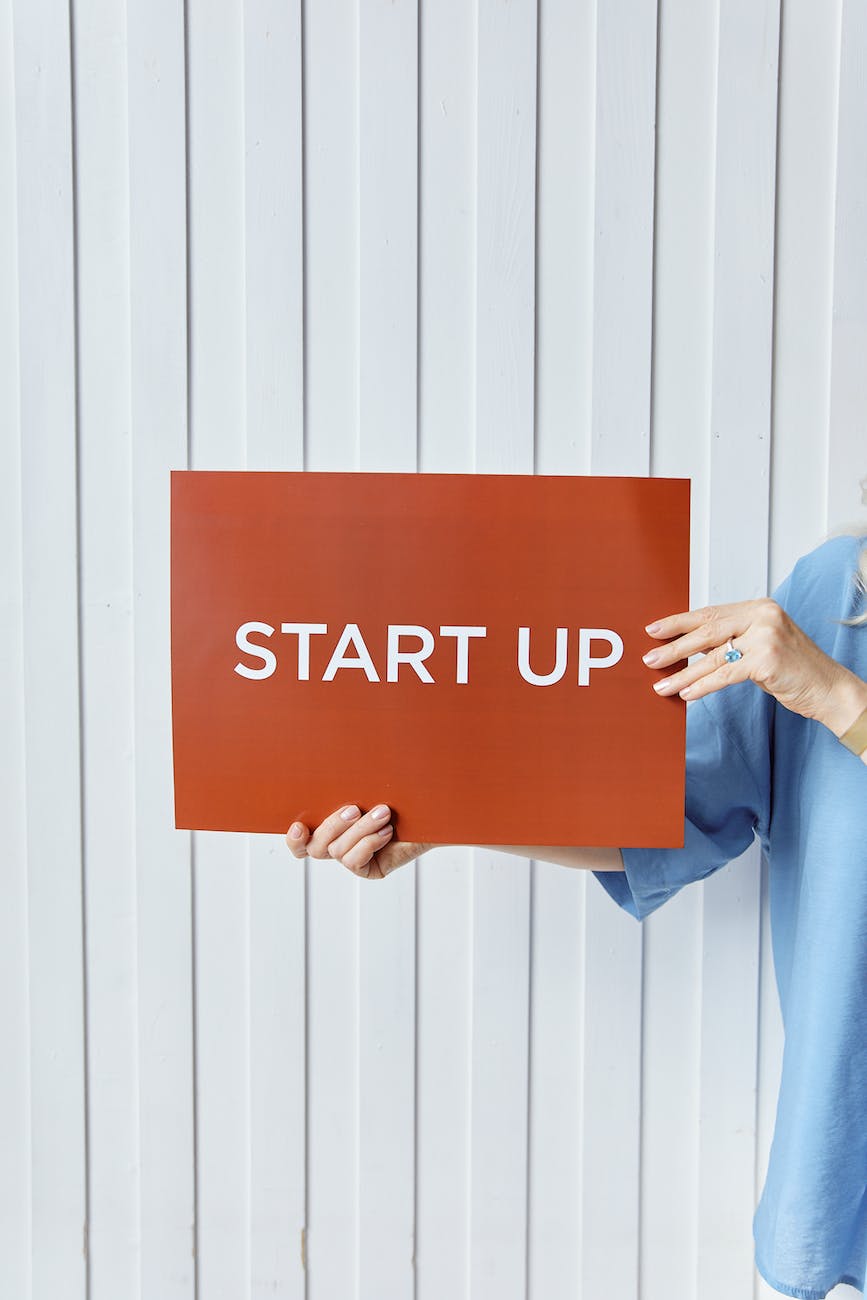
<point>379,813</point>
<point>386,830</point>
<point>295,831</point>
<point>349,813</point>
<point>686,693</point>
<point>653,627</point>
<point>651,656</point>
<point>664,687</point>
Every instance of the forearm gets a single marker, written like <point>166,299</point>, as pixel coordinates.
<point>844,703</point>
<point>602,859</point>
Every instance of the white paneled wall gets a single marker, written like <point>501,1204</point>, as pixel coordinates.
<point>561,236</point>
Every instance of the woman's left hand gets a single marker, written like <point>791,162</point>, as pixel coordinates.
<point>775,654</point>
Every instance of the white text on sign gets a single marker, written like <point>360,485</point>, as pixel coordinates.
<point>351,652</point>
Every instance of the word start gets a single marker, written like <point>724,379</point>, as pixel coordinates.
<point>351,652</point>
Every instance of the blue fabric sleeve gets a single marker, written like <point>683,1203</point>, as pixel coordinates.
<point>729,743</point>
<point>726,802</point>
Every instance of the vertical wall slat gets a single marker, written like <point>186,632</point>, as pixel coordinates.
<point>274,303</point>
<point>15,1189</point>
<point>444,884</point>
<point>505,372</point>
<point>273,234</point>
<point>331,233</point>
<point>332,1098</point>
<point>446,203</point>
<point>682,337</point>
<point>216,307</point>
<point>565,136</point>
<point>623,235</point>
<point>330,37</point>
<point>505,233</point>
<point>683,262</point>
<point>158,423</point>
<point>446,399</point>
<point>50,637</point>
<point>387,233</point>
<point>622,319</point>
<point>102,229</point>
<point>740,449</point>
<point>387,417</point>
<point>804,280</point>
<point>847,449</point>
<point>565,215</point>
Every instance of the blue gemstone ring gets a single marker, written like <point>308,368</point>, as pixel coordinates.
<point>732,655</point>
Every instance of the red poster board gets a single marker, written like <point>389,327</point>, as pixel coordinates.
<point>475,739</point>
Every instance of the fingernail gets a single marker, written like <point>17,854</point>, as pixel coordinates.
<point>651,656</point>
<point>653,627</point>
<point>386,830</point>
<point>686,693</point>
<point>349,813</point>
<point>295,831</point>
<point>664,687</point>
<point>379,813</point>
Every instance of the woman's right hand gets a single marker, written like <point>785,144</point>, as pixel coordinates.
<point>362,842</point>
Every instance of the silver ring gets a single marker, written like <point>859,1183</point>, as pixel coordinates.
<point>732,654</point>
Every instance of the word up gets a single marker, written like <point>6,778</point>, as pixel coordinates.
<point>352,653</point>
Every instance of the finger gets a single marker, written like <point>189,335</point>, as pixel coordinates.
<point>692,619</point>
<point>715,681</point>
<point>330,828</point>
<point>393,854</point>
<point>712,616</point>
<point>713,662</point>
<point>297,837</point>
<point>366,825</point>
<point>708,637</point>
<point>358,858</point>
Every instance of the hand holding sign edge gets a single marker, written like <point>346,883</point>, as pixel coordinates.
<point>775,654</point>
<point>361,842</point>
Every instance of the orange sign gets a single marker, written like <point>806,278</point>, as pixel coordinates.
<point>463,647</point>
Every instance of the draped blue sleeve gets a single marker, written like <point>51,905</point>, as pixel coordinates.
<point>727,800</point>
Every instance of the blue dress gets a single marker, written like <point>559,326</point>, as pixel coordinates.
<point>755,768</point>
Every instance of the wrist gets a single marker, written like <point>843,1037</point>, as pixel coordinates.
<point>845,702</point>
